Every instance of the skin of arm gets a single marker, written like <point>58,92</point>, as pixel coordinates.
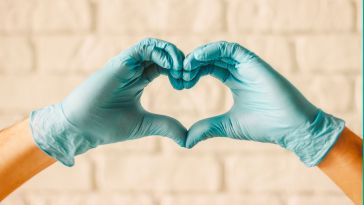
<point>21,159</point>
<point>344,165</point>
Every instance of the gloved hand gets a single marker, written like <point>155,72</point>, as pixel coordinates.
<point>106,107</point>
<point>267,108</point>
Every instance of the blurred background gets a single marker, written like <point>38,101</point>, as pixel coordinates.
<point>48,47</point>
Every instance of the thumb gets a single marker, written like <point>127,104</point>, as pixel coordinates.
<point>165,126</point>
<point>207,128</point>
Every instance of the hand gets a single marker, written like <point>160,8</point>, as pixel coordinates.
<point>106,108</point>
<point>267,108</point>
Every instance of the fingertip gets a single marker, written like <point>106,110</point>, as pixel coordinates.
<point>176,83</point>
<point>167,127</point>
<point>189,84</point>
<point>176,55</point>
<point>189,144</point>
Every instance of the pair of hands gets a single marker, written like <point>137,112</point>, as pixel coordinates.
<point>106,108</point>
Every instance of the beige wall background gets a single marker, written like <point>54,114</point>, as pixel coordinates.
<point>48,47</point>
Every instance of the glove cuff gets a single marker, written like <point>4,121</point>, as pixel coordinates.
<point>57,137</point>
<point>312,142</point>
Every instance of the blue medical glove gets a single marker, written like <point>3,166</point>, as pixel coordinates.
<point>267,107</point>
<point>106,107</point>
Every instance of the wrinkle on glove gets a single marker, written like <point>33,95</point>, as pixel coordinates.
<point>56,137</point>
<point>312,142</point>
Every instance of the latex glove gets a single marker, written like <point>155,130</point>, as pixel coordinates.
<point>106,107</point>
<point>267,108</point>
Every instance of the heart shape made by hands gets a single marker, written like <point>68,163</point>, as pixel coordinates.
<point>106,108</point>
<point>265,103</point>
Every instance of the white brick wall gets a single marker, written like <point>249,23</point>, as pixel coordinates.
<point>15,55</point>
<point>45,16</point>
<point>290,16</point>
<point>48,47</point>
<point>160,16</point>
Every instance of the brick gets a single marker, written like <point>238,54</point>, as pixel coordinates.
<point>78,54</point>
<point>124,16</point>
<point>57,54</point>
<point>59,178</point>
<point>88,199</point>
<point>329,53</point>
<point>205,99</point>
<point>15,55</point>
<point>44,16</point>
<point>220,199</point>
<point>283,174</point>
<point>319,199</point>
<point>289,15</point>
<point>359,15</point>
<point>158,174</point>
<point>26,93</point>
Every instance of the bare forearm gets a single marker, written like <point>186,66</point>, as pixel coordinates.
<point>20,157</point>
<point>343,164</point>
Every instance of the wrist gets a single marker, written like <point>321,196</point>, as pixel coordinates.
<point>312,141</point>
<point>57,137</point>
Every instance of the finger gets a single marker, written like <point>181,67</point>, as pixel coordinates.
<point>195,75</point>
<point>223,49</point>
<point>175,55</point>
<point>176,83</point>
<point>217,72</point>
<point>191,63</point>
<point>220,65</point>
<point>155,55</point>
<point>189,75</point>
<point>205,129</point>
<point>165,126</point>
<point>153,71</point>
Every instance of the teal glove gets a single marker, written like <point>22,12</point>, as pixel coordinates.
<point>267,108</point>
<point>106,108</point>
